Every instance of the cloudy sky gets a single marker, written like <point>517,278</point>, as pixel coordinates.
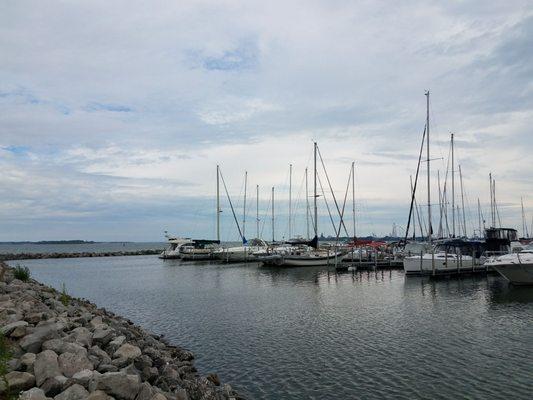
<point>114,115</point>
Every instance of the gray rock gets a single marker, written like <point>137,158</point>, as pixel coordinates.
<point>33,394</point>
<point>54,385</point>
<point>71,363</point>
<point>18,332</point>
<point>7,329</point>
<point>27,361</point>
<point>116,343</point>
<point>146,392</point>
<point>18,381</point>
<point>74,392</point>
<point>60,346</point>
<point>118,384</point>
<point>102,355</point>
<point>96,321</point>
<point>158,396</point>
<point>103,368</point>
<point>99,395</point>
<point>103,335</point>
<point>127,351</point>
<point>45,366</point>
<point>83,377</point>
<point>32,343</point>
<point>81,336</point>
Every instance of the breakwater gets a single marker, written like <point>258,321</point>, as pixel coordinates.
<point>34,256</point>
<point>56,346</point>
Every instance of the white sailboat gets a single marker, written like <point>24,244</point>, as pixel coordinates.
<point>517,268</point>
<point>308,255</point>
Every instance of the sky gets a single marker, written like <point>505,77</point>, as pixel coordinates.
<point>114,115</point>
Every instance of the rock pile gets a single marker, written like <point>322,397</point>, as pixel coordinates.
<point>33,256</point>
<point>68,349</point>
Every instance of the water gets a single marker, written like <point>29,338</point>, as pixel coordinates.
<point>102,247</point>
<point>304,333</point>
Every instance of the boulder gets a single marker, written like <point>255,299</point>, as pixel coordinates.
<point>83,377</point>
<point>116,343</point>
<point>71,363</point>
<point>102,355</point>
<point>32,343</point>
<point>127,351</point>
<point>60,346</point>
<point>103,335</point>
<point>45,366</point>
<point>18,381</point>
<point>99,395</point>
<point>9,328</point>
<point>118,384</point>
<point>81,336</point>
<point>74,392</point>
<point>54,385</point>
<point>18,332</point>
<point>27,361</point>
<point>146,392</point>
<point>33,394</point>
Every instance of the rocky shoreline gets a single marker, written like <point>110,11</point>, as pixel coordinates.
<point>33,256</point>
<point>56,346</point>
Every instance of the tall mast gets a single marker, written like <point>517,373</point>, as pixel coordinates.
<point>453,192</point>
<point>430,228</point>
<point>462,200</point>
<point>315,195</point>
<point>244,207</point>
<point>524,226</point>
<point>257,210</point>
<point>307,204</point>
<point>353,198</point>
<point>414,222</point>
<point>440,231</point>
<point>218,203</point>
<point>273,237</point>
<point>479,218</point>
<point>290,201</point>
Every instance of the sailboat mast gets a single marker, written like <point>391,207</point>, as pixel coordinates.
<point>353,198</point>
<point>315,195</point>
<point>257,210</point>
<point>492,216</point>
<point>273,237</point>
<point>416,209</point>
<point>218,202</point>
<point>453,191</point>
<point>524,227</point>
<point>479,218</point>
<point>462,200</point>
<point>307,204</point>
<point>244,207</point>
<point>430,229</point>
<point>290,201</point>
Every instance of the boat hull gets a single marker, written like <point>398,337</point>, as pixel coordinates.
<point>443,265</point>
<point>302,260</point>
<point>517,274</point>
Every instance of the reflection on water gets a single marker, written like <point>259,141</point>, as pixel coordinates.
<point>317,333</point>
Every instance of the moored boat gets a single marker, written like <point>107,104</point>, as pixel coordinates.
<point>517,268</point>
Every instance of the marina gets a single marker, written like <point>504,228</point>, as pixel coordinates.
<point>351,329</point>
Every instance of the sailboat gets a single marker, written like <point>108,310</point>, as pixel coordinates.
<point>245,252</point>
<point>308,254</point>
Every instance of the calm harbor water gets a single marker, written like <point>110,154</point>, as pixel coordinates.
<point>305,333</point>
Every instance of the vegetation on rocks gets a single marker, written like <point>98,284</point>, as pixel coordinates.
<point>22,273</point>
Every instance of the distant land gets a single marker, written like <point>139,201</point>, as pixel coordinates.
<point>56,242</point>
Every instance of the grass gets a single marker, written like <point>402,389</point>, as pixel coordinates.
<point>22,273</point>
<point>65,298</point>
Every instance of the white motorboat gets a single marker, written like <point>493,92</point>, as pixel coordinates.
<point>198,250</point>
<point>173,249</point>
<point>517,268</point>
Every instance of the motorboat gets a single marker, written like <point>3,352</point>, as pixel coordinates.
<point>517,268</point>
<point>173,249</point>
<point>198,249</point>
